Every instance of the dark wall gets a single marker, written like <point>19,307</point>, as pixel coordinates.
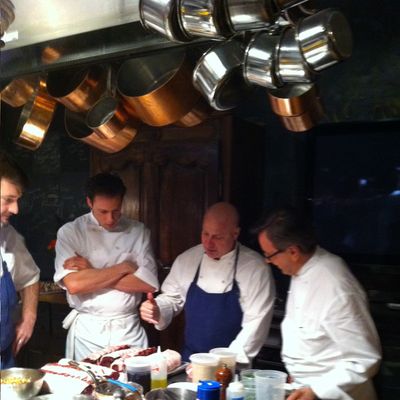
<point>57,171</point>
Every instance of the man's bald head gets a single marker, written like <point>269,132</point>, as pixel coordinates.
<point>220,229</point>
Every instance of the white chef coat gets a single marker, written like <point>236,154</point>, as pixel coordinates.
<point>329,339</point>
<point>255,281</point>
<point>128,241</point>
<point>22,267</point>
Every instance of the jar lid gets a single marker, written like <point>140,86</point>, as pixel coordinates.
<point>208,385</point>
<point>137,364</point>
<point>204,359</point>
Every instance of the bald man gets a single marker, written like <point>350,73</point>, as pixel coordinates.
<point>223,287</point>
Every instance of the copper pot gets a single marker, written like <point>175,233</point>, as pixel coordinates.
<point>198,114</point>
<point>78,89</point>
<point>35,119</point>
<point>17,92</point>
<point>75,125</point>
<point>292,100</point>
<point>158,87</point>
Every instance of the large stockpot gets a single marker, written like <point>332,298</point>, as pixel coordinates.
<point>204,18</point>
<point>35,118</point>
<point>17,92</point>
<point>244,15</point>
<point>260,60</point>
<point>76,127</point>
<point>324,38</point>
<point>77,89</point>
<point>162,16</point>
<point>291,67</point>
<point>218,74</point>
<point>158,87</point>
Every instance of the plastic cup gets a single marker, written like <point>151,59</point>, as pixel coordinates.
<point>270,385</point>
<point>138,370</point>
<point>225,356</point>
<point>204,366</point>
<point>249,382</point>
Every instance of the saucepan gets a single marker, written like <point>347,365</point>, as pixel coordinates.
<point>35,118</point>
<point>245,15</point>
<point>204,18</point>
<point>292,100</point>
<point>198,114</point>
<point>291,67</point>
<point>76,127</point>
<point>295,11</point>
<point>260,60</point>
<point>218,74</point>
<point>324,38</point>
<point>17,92</point>
<point>77,89</point>
<point>163,17</point>
<point>158,87</point>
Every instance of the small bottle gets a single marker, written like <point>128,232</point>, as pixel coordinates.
<point>235,390</point>
<point>208,390</point>
<point>223,375</point>
<point>158,371</point>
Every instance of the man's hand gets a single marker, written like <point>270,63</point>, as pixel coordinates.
<point>149,310</point>
<point>130,265</point>
<point>77,263</point>
<point>23,333</point>
<point>304,393</point>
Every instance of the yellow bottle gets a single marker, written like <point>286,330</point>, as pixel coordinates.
<point>158,371</point>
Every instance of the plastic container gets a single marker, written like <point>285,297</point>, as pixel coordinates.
<point>204,366</point>
<point>270,385</point>
<point>208,390</point>
<point>139,371</point>
<point>225,356</point>
<point>158,370</point>
<point>249,382</point>
<point>235,390</point>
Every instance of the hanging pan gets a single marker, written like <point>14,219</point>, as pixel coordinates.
<point>77,89</point>
<point>17,92</point>
<point>35,118</point>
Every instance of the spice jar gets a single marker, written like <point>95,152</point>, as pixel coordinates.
<point>223,375</point>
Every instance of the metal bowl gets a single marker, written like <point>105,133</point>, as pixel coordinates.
<point>56,396</point>
<point>170,394</point>
<point>21,391</point>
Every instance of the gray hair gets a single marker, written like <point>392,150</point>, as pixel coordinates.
<point>286,227</point>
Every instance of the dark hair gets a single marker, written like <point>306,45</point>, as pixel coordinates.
<point>287,227</point>
<point>106,184</point>
<point>11,171</point>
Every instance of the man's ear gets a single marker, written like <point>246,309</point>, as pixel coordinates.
<point>236,233</point>
<point>294,252</point>
<point>89,203</point>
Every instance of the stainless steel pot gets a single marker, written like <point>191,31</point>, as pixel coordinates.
<point>204,18</point>
<point>244,15</point>
<point>77,89</point>
<point>158,87</point>
<point>260,60</point>
<point>325,39</point>
<point>162,16</point>
<point>291,67</point>
<point>218,75</point>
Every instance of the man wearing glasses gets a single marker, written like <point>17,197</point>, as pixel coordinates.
<point>329,342</point>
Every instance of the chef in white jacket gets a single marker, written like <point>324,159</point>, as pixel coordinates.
<point>105,262</point>
<point>330,344</point>
<point>224,288</point>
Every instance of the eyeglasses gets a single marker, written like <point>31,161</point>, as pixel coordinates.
<point>273,254</point>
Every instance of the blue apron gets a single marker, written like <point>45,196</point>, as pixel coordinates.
<point>211,319</point>
<point>8,299</point>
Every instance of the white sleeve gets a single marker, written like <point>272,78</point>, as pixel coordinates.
<point>66,247</point>
<point>25,271</point>
<point>350,326</point>
<point>173,295</point>
<point>147,266</point>
<point>257,297</point>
